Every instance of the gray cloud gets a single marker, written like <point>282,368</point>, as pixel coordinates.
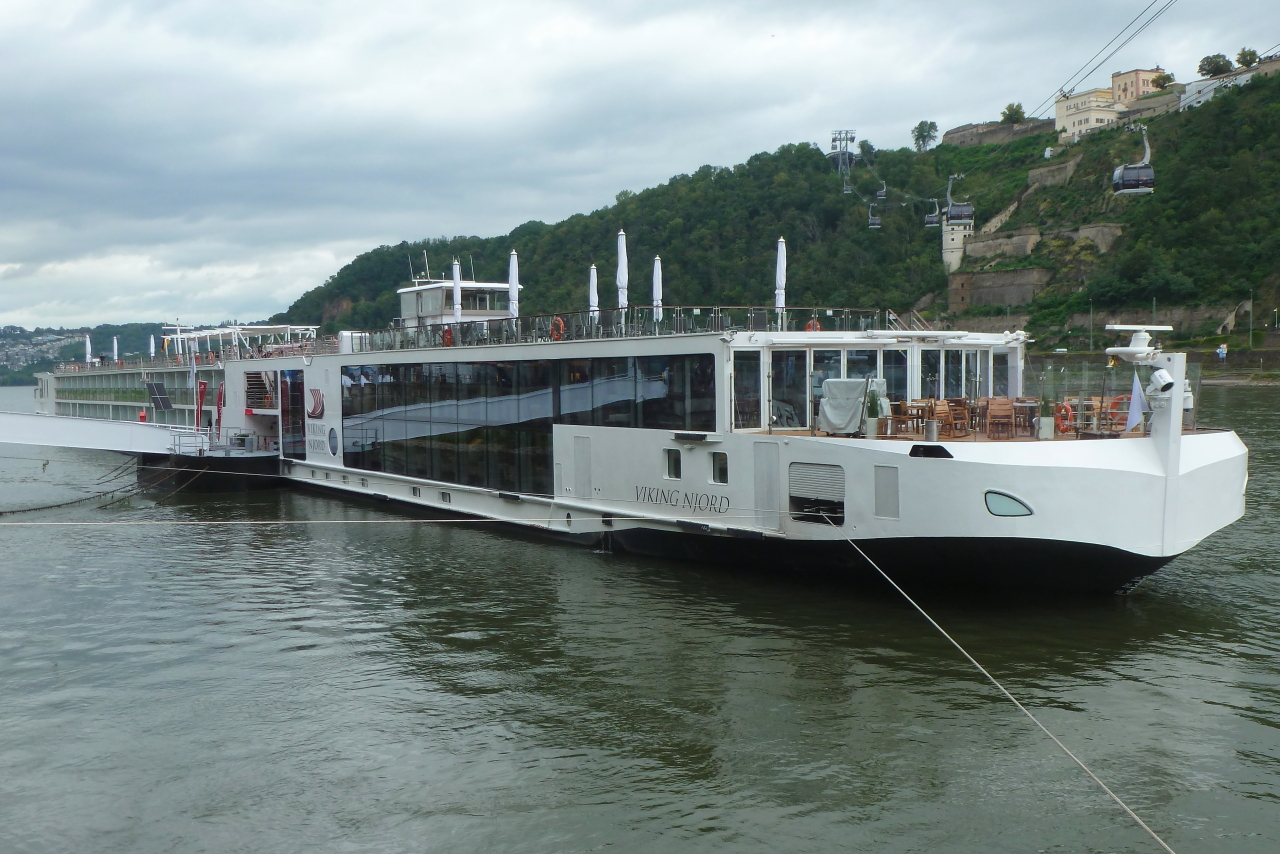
<point>207,160</point>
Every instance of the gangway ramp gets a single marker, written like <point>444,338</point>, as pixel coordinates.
<point>65,431</point>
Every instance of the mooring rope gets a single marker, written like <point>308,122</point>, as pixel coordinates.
<point>1003,690</point>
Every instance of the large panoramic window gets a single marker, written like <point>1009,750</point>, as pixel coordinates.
<point>489,424</point>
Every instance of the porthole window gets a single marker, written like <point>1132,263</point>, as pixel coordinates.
<point>1001,504</point>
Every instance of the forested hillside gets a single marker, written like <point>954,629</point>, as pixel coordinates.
<point>1208,234</point>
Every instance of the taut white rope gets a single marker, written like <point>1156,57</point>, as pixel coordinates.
<point>1012,699</point>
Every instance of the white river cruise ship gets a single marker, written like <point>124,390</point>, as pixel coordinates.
<point>751,436</point>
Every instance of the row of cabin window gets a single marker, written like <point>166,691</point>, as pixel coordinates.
<point>488,424</point>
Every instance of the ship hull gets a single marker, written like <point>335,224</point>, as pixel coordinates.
<point>917,563</point>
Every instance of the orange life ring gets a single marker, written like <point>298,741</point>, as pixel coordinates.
<point>557,328</point>
<point>1064,418</point>
<point>813,325</point>
<point>1115,408</point>
<point>448,336</point>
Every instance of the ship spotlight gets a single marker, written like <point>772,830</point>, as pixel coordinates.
<point>1161,381</point>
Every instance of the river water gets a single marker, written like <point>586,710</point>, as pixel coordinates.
<point>386,686</point>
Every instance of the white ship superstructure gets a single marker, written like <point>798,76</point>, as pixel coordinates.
<point>707,434</point>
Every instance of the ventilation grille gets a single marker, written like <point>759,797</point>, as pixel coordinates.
<point>812,480</point>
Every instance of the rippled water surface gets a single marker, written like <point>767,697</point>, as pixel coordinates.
<point>384,686</point>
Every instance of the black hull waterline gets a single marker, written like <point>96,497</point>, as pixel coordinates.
<point>970,563</point>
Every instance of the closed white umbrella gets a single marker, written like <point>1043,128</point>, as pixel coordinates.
<point>593,294</point>
<point>657,288</point>
<point>88,349</point>
<point>151,349</point>
<point>622,269</point>
<point>457,291</point>
<point>780,279</point>
<point>115,349</point>
<point>513,284</point>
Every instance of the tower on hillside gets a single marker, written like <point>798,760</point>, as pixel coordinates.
<point>957,226</point>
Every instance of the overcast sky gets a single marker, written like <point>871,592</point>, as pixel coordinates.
<point>214,160</point>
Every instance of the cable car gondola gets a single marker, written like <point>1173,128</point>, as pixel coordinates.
<point>883,192</point>
<point>933,220</point>
<point>873,221</point>
<point>1136,179</point>
<point>958,213</point>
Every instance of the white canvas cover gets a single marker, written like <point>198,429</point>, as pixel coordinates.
<point>844,404</point>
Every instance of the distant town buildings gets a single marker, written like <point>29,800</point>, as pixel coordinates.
<point>1129,86</point>
<point>1084,112</point>
<point>19,348</point>
<point>1199,91</point>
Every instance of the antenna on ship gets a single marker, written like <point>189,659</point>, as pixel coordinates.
<point>425,265</point>
<point>842,156</point>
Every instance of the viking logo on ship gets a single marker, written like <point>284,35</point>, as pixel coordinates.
<point>317,404</point>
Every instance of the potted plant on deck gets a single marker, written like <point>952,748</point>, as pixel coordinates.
<point>873,414</point>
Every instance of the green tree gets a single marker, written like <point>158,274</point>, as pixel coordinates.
<point>1212,66</point>
<point>1247,57</point>
<point>1013,114</point>
<point>925,134</point>
<point>1163,80</point>
<point>867,150</point>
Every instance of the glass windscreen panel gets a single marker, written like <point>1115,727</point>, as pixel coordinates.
<point>790,380</point>
<point>826,366</point>
<point>895,373</point>
<point>293,438</point>
<point>931,374</point>
<point>1000,373</point>
<point>953,386</point>
<point>746,390</point>
<point>861,364</point>
<point>973,373</point>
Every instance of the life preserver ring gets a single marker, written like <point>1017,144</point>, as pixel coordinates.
<point>1118,407</point>
<point>1064,418</point>
<point>813,325</point>
<point>448,336</point>
<point>557,328</point>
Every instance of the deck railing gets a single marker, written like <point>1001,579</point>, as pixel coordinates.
<point>210,359</point>
<point>638,322</point>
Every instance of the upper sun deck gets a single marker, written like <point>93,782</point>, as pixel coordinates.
<point>810,324</point>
